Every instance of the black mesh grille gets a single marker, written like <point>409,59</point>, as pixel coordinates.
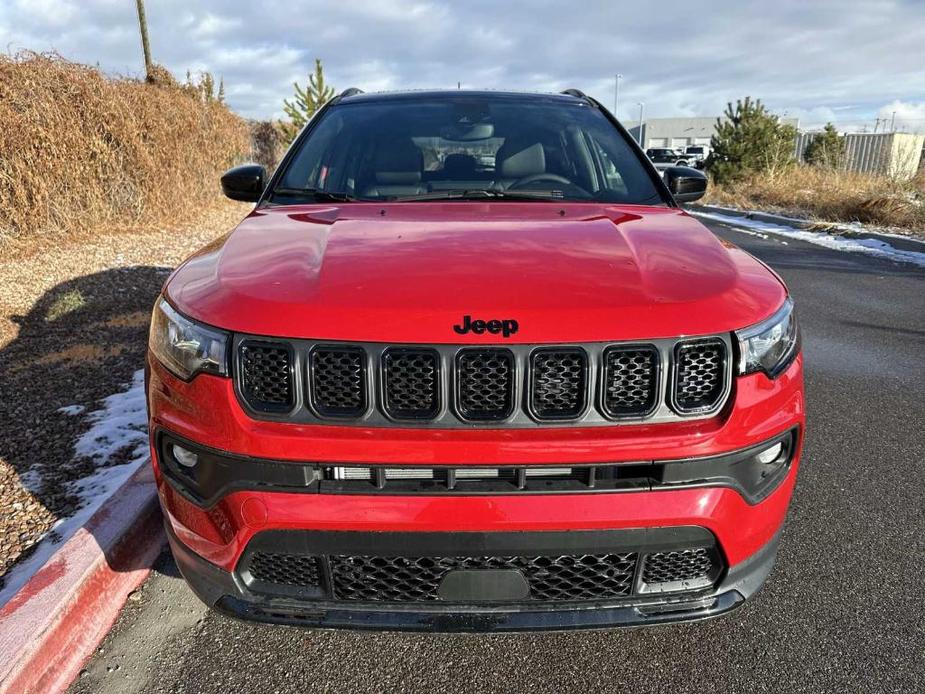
<point>559,380</point>
<point>630,381</point>
<point>682,565</point>
<point>266,375</point>
<point>285,569</point>
<point>416,579</point>
<point>411,383</point>
<point>699,379</point>
<point>485,384</point>
<point>338,381</point>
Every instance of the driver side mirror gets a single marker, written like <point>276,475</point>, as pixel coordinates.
<point>245,182</point>
<point>686,184</point>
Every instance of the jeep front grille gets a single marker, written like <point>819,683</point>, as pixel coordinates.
<point>558,379</point>
<point>630,381</point>
<point>699,385</point>
<point>266,375</point>
<point>411,383</point>
<point>485,384</point>
<point>338,381</point>
<point>447,386</point>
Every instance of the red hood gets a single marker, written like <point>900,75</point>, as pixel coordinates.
<point>409,272</point>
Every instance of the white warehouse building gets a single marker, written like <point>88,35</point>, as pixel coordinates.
<point>679,132</point>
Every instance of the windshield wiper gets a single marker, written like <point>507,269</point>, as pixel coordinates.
<point>481,193</point>
<point>325,195</point>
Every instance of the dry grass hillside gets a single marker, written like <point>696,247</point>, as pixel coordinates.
<point>83,153</point>
<point>832,196</point>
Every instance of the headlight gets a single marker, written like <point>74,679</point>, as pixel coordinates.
<point>771,345</point>
<point>186,347</point>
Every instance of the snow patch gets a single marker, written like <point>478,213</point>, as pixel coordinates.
<point>72,410</point>
<point>871,247</point>
<point>119,427</point>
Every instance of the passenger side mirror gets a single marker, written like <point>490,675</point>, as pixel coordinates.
<point>245,182</point>
<point>686,184</point>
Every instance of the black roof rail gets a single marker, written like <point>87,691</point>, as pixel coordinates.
<point>352,91</point>
<point>578,94</point>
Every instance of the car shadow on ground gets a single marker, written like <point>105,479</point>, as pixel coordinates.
<point>82,341</point>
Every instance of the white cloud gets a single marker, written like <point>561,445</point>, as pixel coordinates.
<point>904,116</point>
<point>829,59</point>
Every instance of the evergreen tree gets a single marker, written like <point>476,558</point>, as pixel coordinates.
<point>826,148</point>
<point>749,140</point>
<point>221,90</point>
<point>315,95</point>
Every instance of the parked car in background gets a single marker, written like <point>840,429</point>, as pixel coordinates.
<point>664,157</point>
<point>696,155</point>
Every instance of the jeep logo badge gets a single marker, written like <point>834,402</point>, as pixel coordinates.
<point>506,327</point>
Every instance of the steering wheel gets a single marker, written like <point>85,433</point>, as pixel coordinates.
<point>533,178</point>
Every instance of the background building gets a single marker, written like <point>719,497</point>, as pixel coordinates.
<point>680,132</point>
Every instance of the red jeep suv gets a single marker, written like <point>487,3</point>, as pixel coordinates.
<point>468,366</point>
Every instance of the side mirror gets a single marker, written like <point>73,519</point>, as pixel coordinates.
<point>686,184</point>
<point>245,182</point>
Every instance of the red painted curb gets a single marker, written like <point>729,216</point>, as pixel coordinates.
<point>51,627</point>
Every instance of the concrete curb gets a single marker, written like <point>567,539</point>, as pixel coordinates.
<point>895,240</point>
<point>55,622</point>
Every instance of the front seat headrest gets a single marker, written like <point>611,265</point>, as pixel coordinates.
<point>398,162</point>
<point>518,162</point>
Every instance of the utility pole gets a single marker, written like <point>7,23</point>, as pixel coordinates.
<point>616,92</point>
<point>642,108</point>
<point>893,122</point>
<point>143,26</point>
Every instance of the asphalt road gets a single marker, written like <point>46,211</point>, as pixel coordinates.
<point>844,610</point>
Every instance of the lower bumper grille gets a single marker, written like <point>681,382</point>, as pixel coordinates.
<point>416,579</point>
<point>546,577</point>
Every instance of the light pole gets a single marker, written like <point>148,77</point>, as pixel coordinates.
<point>642,108</point>
<point>616,92</point>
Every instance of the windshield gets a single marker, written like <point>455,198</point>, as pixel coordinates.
<point>459,147</point>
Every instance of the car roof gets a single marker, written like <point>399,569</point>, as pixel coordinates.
<point>431,94</point>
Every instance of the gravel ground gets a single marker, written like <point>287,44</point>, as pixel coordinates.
<point>843,611</point>
<point>73,327</point>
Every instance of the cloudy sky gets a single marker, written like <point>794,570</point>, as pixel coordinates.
<point>841,60</point>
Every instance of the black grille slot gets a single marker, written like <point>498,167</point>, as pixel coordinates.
<point>417,579</point>
<point>680,565</point>
<point>411,383</point>
<point>558,383</point>
<point>338,381</point>
<point>630,381</point>
<point>266,376</point>
<point>285,569</point>
<point>700,372</point>
<point>485,384</point>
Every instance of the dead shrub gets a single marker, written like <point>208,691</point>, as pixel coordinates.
<point>832,196</point>
<point>80,151</point>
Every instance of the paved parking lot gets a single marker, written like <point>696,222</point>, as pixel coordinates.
<point>844,610</point>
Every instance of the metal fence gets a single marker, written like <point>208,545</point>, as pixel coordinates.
<point>890,154</point>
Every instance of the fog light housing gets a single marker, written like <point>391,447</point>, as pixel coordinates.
<point>184,457</point>
<point>769,455</point>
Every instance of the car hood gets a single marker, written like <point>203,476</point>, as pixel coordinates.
<point>409,272</point>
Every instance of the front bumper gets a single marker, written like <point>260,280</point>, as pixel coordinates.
<point>227,592</point>
<point>211,537</point>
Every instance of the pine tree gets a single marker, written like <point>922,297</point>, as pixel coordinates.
<point>826,148</point>
<point>749,140</point>
<point>221,90</point>
<point>315,95</point>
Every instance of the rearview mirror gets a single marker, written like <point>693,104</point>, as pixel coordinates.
<point>245,182</point>
<point>686,184</point>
